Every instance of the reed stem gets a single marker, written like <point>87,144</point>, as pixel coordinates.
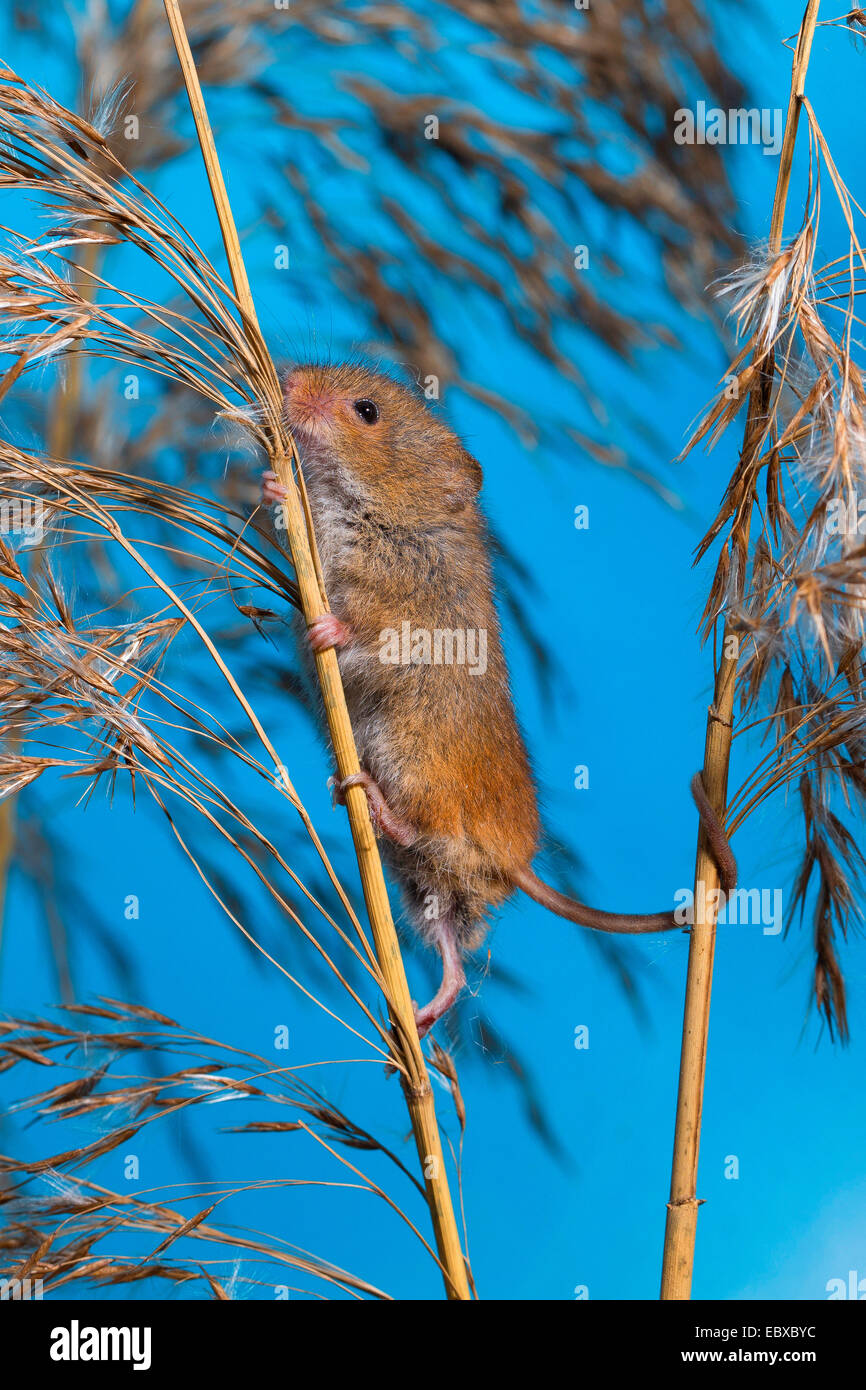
<point>414,1077</point>
<point>682,1211</point>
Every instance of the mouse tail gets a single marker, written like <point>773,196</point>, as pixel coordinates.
<point>540,892</point>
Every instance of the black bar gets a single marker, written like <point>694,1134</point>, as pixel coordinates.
<point>246,1338</point>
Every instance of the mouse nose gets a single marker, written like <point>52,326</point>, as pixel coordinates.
<point>291,382</point>
<point>309,400</point>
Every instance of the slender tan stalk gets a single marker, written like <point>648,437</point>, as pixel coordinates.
<point>682,1212</point>
<point>415,1080</point>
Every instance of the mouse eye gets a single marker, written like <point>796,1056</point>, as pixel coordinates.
<point>368,411</point>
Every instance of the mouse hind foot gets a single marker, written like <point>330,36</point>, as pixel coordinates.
<point>444,934</point>
<point>385,821</point>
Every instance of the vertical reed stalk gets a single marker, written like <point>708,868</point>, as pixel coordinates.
<point>415,1080</point>
<point>682,1211</point>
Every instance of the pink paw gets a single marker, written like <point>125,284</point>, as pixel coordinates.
<point>272,489</point>
<point>327,631</point>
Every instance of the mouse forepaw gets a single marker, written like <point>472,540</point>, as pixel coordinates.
<point>273,490</point>
<point>328,631</point>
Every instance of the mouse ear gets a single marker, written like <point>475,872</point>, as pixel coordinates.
<point>467,480</point>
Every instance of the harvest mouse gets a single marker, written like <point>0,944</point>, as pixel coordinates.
<point>403,545</point>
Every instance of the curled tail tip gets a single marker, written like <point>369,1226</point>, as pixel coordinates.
<point>716,835</point>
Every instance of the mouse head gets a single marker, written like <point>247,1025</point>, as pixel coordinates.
<point>375,440</point>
